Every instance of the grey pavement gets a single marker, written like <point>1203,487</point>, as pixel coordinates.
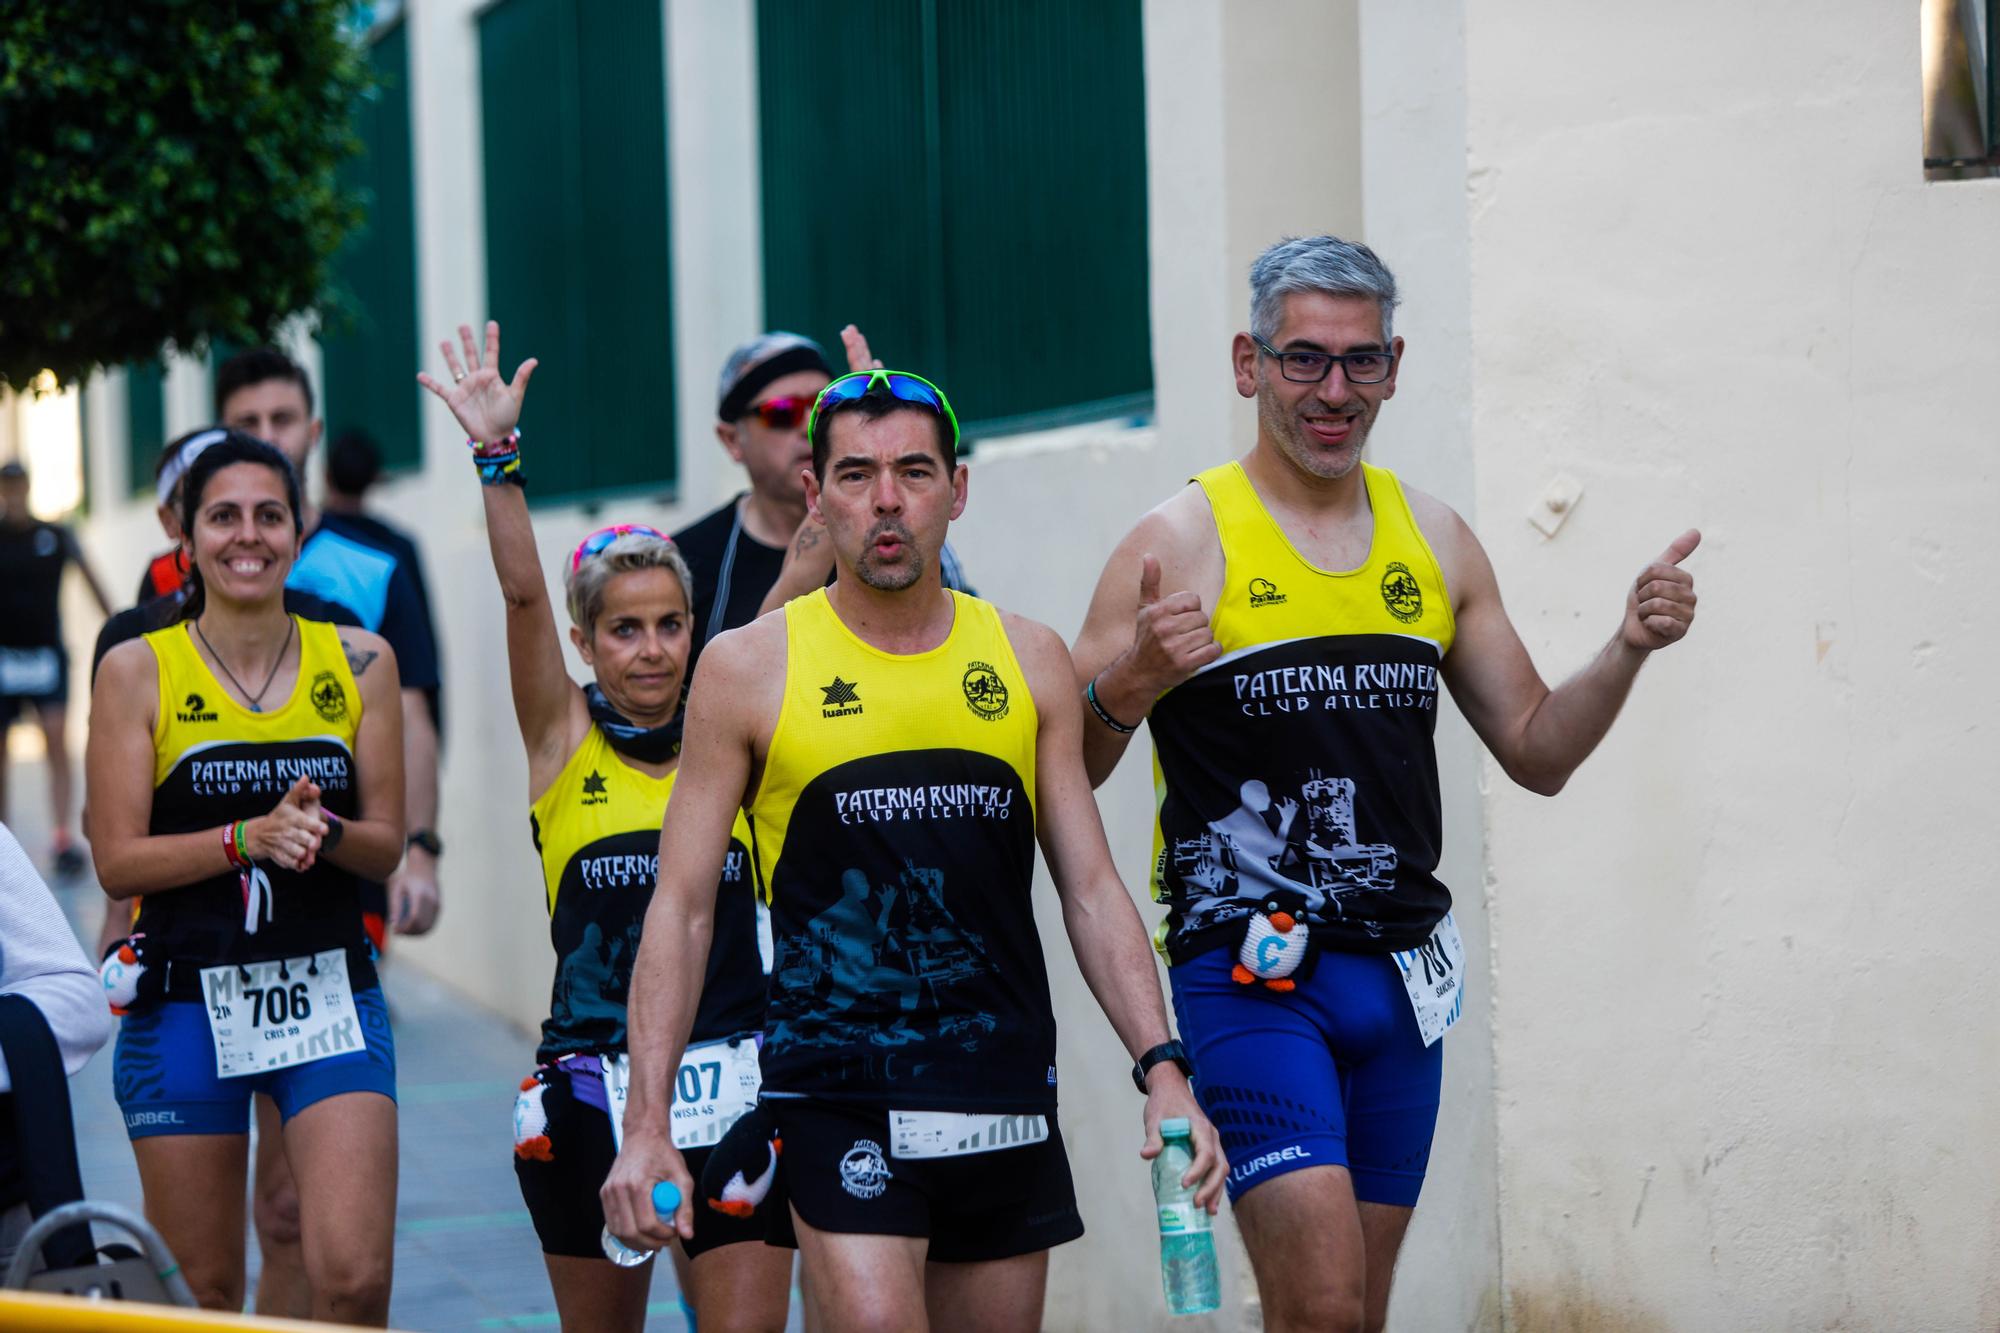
<point>466,1254</point>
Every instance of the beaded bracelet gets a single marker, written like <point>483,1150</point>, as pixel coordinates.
<point>1090,693</point>
<point>499,461</point>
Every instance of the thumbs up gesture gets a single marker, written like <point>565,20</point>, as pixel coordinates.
<point>290,835</point>
<point>1171,640</point>
<point>1660,606</point>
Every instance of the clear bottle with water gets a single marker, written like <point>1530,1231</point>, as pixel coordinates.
<point>1187,1245</point>
<point>666,1202</point>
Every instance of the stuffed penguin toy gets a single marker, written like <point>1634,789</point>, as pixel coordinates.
<point>120,972</point>
<point>741,1172</point>
<point>1276,944</point>
<point>531,1122</point>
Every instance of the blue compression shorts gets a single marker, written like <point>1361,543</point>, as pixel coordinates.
<point>1331,1074</point>
<point>164,1071</point>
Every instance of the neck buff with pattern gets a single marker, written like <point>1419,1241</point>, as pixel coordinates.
<point>647,745</point>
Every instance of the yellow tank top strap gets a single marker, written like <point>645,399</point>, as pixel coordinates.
<point>1271,592</point>
<point>195,711</point>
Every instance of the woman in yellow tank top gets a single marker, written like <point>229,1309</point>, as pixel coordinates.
<point>244,774</point>
<point>601,766</point>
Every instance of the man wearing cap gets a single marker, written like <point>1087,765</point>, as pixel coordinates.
<point>34,667</point>
<point>737,552</point>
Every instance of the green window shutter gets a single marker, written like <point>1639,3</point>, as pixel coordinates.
<point>371,356</point>
<point>145,421</point>
<point>1043,112</point>
<point>966,181</point>
<point>850,221</point>
<point>577,248</point>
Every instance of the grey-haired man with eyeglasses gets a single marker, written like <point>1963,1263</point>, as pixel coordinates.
<point>1284,624</point>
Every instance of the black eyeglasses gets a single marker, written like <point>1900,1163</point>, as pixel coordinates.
<point>1312,367</point>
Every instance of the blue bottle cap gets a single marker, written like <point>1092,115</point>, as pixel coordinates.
<point>1179,1127</point>
<point>666,1198</point>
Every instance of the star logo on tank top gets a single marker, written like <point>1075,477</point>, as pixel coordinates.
<point>593,790</point>
<point>985,692</point>
<point>195,709</point>
<point>1401,594</point>
<point>1263,592</point>
<point>841,699</point>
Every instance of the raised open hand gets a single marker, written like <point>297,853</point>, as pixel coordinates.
<point>486,405</point>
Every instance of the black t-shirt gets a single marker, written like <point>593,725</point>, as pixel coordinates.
<point>159,612</point>
<point>730,567</point>
<point>32,556</point>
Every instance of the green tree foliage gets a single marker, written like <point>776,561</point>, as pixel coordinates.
<point>169,174</point>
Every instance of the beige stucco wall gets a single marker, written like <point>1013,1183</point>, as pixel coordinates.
<point>1746,1079</point>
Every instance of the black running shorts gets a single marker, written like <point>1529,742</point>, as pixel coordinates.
<point>843,1176</point>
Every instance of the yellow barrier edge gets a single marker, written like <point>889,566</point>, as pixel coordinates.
<point>37,1312</point>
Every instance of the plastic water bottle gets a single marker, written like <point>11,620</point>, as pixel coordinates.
<point>1187,1246</point>
<point>666,1202</point>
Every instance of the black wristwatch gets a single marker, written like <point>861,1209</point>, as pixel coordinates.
<point>1166,1050</point>
<point>425,839</point>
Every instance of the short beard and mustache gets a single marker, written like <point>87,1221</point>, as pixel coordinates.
<point>1308,454</point>
<point>897,577</point>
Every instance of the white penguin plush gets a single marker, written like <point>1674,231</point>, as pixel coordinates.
<point>531,1123</point>
<point>120,973</point>
<point>741,1197</point>
<point>1274,945</point>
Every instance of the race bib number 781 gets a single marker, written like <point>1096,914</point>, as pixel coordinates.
<point>1434,976</point>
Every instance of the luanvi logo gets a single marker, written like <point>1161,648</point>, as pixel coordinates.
<point>841,699</point>
<point>1401,594</point>
<point>195,709</point>
<point>593,790</point>
<point>1263,592</point>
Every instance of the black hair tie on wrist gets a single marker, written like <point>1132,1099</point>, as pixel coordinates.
<point>1090,693</point>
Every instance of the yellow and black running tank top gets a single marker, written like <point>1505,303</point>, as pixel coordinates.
<point>214,762</point>
<point>597,829</point>
<point>894,831</point>
<point>1298,769</point>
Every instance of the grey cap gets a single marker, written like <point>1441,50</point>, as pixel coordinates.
<point>766,357</point>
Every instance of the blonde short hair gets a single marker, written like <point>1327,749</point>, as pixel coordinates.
<point>584,586</point>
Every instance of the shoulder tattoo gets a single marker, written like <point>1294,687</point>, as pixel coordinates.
<point>357,658</point>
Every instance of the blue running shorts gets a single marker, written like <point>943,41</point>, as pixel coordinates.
<point>164,1072</point>
<point>1331,1074</point>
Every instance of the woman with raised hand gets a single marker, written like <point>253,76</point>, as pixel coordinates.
<point>245,773</point>
<point>601,767</point>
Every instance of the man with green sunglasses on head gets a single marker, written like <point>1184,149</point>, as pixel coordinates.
<point>758,550</point>
<point>899,749</point>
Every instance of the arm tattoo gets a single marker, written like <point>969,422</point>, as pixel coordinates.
<point>808,538</point>
<point>357,658</point>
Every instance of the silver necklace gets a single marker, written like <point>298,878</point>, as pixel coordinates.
<point>257,699</point>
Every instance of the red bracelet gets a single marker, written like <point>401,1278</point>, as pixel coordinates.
<point>229,847</point>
